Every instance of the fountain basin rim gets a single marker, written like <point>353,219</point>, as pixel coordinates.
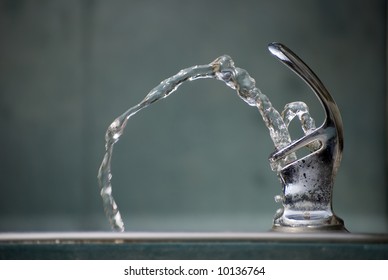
<point>195,237</point>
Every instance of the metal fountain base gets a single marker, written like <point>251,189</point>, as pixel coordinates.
<point>334,224</point>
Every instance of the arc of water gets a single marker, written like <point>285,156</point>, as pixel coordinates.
<point>222,69</point>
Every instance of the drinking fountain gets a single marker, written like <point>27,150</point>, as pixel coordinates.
<point>305,227</point>
<point>307,182</point>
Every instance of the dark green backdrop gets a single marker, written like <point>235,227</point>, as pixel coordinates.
<point>197,160</point>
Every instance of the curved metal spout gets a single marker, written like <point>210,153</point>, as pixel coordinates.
<point>308,182</point>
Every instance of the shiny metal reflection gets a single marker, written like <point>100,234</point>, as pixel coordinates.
<point>308,182</point>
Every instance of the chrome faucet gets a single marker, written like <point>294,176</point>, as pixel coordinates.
<point>308,182</point>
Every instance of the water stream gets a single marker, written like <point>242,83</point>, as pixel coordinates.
<point>222,69</point>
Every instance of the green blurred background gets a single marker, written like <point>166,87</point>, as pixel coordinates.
<point>197,160</point>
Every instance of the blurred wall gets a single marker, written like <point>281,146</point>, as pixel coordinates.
<point>198,159</point>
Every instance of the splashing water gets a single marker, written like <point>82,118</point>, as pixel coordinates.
<point>222,69</point>
<point>299,109</point>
